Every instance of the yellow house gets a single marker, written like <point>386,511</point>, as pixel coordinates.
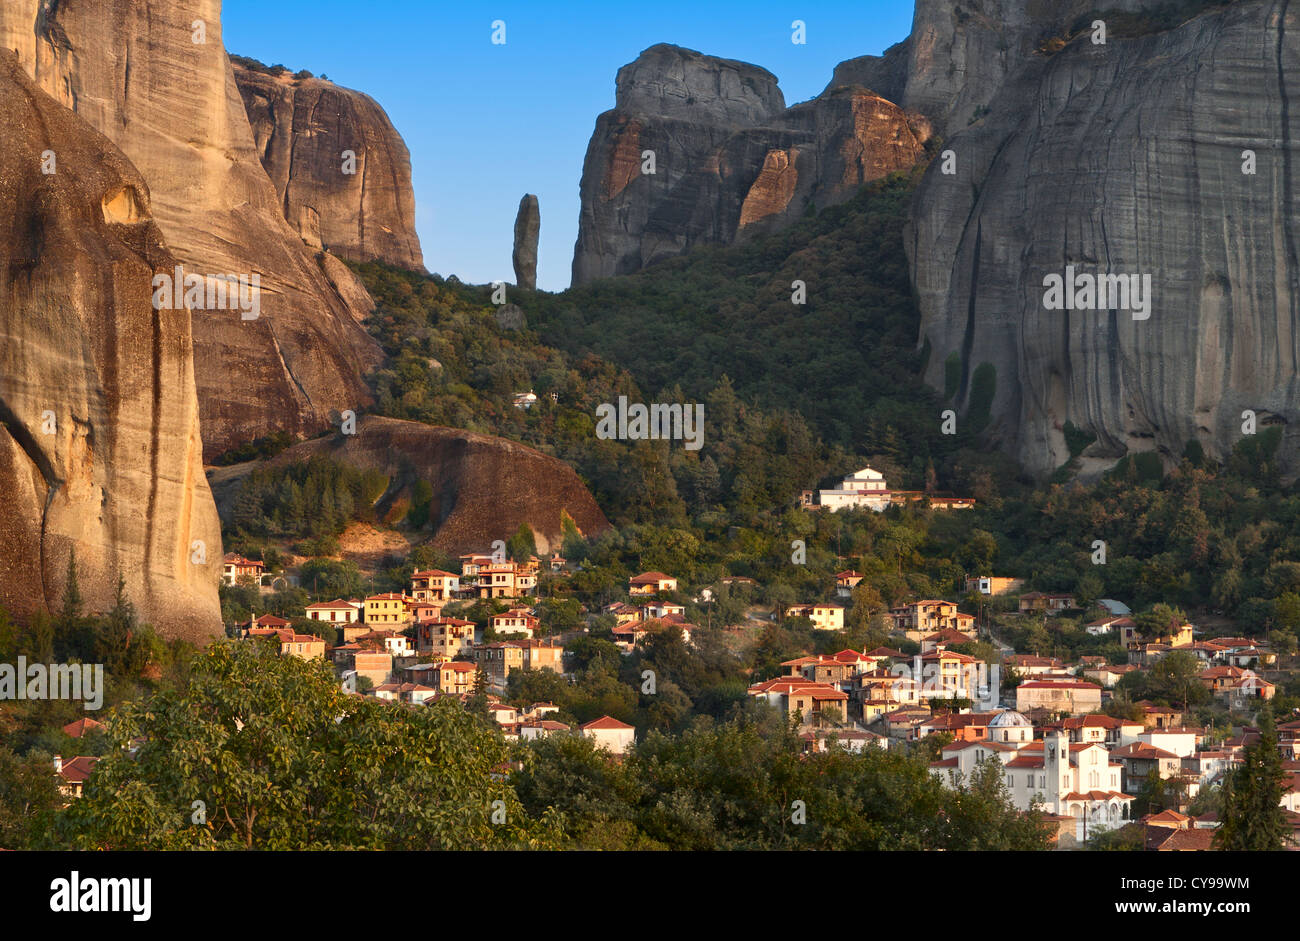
<point>827,616</point>
<point>306,646</point>
<point>385,609</point>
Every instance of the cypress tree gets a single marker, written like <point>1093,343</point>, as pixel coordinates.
<point>1253,818</point>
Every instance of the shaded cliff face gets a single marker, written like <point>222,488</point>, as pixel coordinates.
<point>961,51</point>
<point>363,209</point>
<point>99,425</point>
<point>729,158</point>
<point>1126,159</point>
<point>133,70</point>
<point>484,487</point>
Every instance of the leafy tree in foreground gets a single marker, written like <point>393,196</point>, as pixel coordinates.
<point>281,758</point>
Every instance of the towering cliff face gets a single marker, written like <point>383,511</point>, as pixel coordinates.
<point>360,208</point>
<point>1126,158</point>
<point>729,158</point>
<point>961,51</point>
<point>481,485</point>
<point>99,426</point>
<point>135,71</point>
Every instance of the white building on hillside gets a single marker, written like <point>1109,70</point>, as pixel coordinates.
<point>864,488</point>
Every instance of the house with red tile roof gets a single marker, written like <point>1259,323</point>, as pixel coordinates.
<point>802,698</point>
<point>82,727</point>
<point>962,726</point>
<point>921,618</point>
<point>235,568</point>
<point>337,611</point>
<point>73,772</point>
<point>623,612</point>
<point>444,638</point>
<point>846,581</point>
<point>267,624</point>
<point>610,734</point>
<point>434,585</point>
<point>942,640</point>
<point>651,583</point>
<point>518,621</point>
<point>455,677</point>
<point>1140,760</point>
<point>851,740</point>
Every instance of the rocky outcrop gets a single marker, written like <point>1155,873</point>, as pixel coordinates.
<point>340,169</point>
<point>483,487</point>
<point>137,71</point>
<point>701,150</point>
<point>1125,158</point>
<point>99,426</point>
<point>528,224</point>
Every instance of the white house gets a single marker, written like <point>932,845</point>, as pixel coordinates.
<point>1107,625</point>
<point>611,734</point>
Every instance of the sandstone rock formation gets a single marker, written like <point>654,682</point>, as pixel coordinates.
<point>99,425</point>
<point>135,71</point>
<point>528,223</point>
<point>481,484</point>
<point>1125,158</point>
<point>729,159</point>
<point>360,207</point>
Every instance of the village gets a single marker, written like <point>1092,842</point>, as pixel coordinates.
<point>1073,741</point>
<point>1069,739</point>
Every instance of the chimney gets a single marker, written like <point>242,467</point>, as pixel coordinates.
<point>58,764</point>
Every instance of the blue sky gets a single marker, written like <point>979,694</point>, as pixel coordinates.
<point>487,123</point>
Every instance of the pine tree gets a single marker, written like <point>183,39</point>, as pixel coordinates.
<point>522,545</point>
<point>1253,818</point>
<point>71,630</point>
<point>113,637</point>
<point>71,593</point>
<point>477,703</point>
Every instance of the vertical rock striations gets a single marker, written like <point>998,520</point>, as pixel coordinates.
<point>153,77</point>
<point>1126,158</point>
<point>340,169</point>
<point>99,426</point>
<point>528,223</point>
